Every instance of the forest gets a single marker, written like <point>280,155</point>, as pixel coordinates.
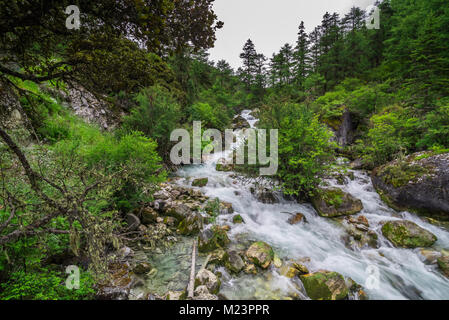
<point>86,178</point>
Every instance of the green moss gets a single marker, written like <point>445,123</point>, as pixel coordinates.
<point>402,173</point>
<point>325,286</point>
<point>407,234</point>
<point>237,219</point>
<point>332,197</point>
<point>200,182</point>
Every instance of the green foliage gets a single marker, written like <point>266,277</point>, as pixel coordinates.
<point>211,117</point>
<point>157,115</point>
<point>45,284</point>
<point>305,149</point>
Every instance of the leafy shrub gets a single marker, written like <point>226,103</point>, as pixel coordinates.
<point>305,149</point>
<point>158,113</point>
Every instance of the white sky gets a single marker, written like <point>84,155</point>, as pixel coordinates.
<point>269,23</point>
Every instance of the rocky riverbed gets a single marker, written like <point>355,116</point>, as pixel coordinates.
<point>255,244</point>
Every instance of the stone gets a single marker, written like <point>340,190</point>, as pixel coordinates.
<point>218,257</point>
<point>192,224</point>
<point>202,293</point>
<point>212,238</point>
<point>407,234</point>
<point>201,182</point>
<point>297,218</point>
<point>226,208</point>
<point>125,252</point>
<point>261,254</point>
<point>287,270</point>
<point>265,195</point>
<point>443,263</point>
<point>277,262</point>
<point>325,285</point>
<point>235,263</point>
<point>176,295</point>
<point>149,215</point>
<point>418,183</point>
<point>302,269</point>
<point>430,256</point>
<point>133,222</point>
<point>208,279</point>
<point>142,268</point>
<point>333,202</point>
<point>237,219</point>
<point>250,268</point>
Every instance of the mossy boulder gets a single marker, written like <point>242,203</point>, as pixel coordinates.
<point>222,165</point>
<point>333,202</point>
<point>192,224</point>
<point>261,254</point>
<point>325,285</point>
<point>418,183</point>
<point>443,263</point>
<point>219,257</point>
<point>237,219</point>
<point>407,234</point>
<point>212,238</point>
<point>201,182</point>
<point>142,268</point>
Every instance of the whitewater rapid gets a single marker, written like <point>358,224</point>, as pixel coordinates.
<point>402,273</point>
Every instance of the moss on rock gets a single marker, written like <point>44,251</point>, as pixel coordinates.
<point>325,285</point>
<point>407,234</point>
<point>261,254</point>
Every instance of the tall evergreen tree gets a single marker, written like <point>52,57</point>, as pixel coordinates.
<point>249,57</point>
<point>301,57</point>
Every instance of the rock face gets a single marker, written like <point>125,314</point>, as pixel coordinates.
<point>333,202</point>
<point>343,129</point>
<point>407,234</point>
<point>325,285</point>
<point>419,183</point>
<point>201,182</point>
<point>261,254</point>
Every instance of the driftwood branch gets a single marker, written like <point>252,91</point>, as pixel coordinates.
<point>191,286</point>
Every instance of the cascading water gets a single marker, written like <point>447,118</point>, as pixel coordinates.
<point>402,272</point>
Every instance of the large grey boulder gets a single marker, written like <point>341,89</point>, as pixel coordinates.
<point>418,183</point>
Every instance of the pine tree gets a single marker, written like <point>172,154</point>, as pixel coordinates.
<point>249,56</point>
<point>301,57</point>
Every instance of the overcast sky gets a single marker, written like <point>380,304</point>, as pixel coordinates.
<point>269,23</point>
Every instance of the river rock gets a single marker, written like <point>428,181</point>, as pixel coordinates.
<point>261,254</point>
<point>430,256</point>
<point>407,234</point>
<point>419,183</point>
<point>264,195</point>
<point>212,238</point>
<point>142,268</point>
<point>176,295</point>
<point>226,207</point>
<point>208,279</point>
<point>297,218</point>
<point>325,285</point>
<point>133,222</point>
<point>149,215</point>
<point>192,224</point>
<point>219,257</point>
<point>237,219</point>
<point>201,182</point>
<point>333,202</point>
<point>240,123</point>
<point>222,165</point>
<point>443,263</point>
<point>202,293</point>
<point>235,263</point>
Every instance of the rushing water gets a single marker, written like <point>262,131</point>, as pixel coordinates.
<point>402,272</point>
